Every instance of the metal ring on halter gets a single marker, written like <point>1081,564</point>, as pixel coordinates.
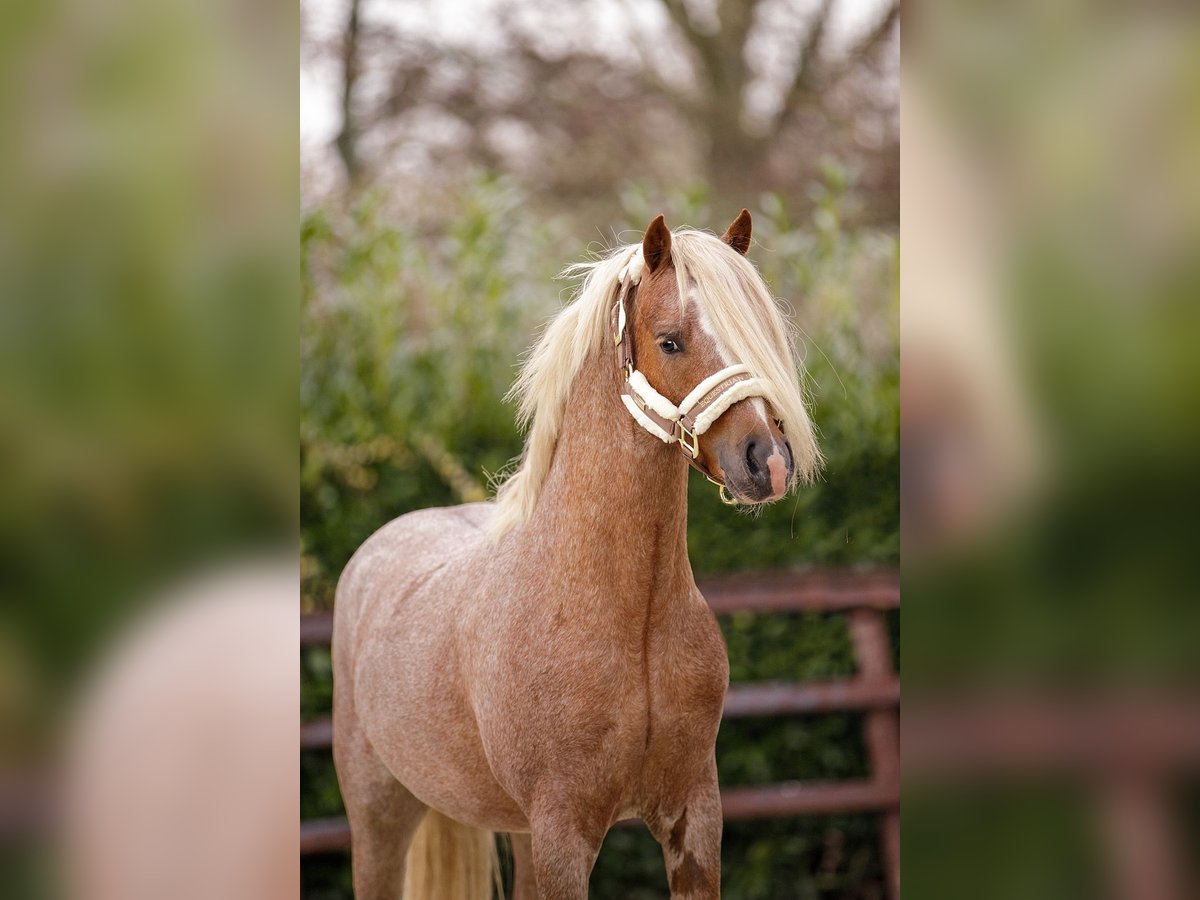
<point>726,498</point>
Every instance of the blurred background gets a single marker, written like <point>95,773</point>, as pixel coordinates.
<point>148,323</point>
<point>148,265</point>
<point>455,157</point>
<point>1051,193</point>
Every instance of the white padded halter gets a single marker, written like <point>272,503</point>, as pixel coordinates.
<point>649,397</point>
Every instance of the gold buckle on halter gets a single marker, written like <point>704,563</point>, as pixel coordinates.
<point>693,447</point>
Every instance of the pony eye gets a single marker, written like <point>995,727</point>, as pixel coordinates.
<point>669,345</point>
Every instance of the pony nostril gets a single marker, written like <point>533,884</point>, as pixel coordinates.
<point>751,461</point>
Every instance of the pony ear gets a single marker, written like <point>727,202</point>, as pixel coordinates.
<point>737,235</point>
<point>656,245</point>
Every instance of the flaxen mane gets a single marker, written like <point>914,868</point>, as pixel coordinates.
<point>736,302</point>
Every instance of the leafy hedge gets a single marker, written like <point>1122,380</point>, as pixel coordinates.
<point>411,330</point>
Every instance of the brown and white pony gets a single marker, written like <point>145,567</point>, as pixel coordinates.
<point>544,665</point>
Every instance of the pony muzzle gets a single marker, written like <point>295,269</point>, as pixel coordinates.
<point>759,468</point>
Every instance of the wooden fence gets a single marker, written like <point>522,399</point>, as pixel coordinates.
<point>874,690</point>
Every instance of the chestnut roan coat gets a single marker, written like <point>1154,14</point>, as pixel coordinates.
<point>544,665</point>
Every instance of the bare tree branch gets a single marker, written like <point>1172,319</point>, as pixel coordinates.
<point>704,45</point>
<point>882,30</point>
<point>736,18</point>
<point>347,139</point>
<point>683,102</point>
<point>870,42</point>
<point>677,10</point>
<point>804,80</point>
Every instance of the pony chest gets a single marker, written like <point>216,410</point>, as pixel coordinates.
<point>687,673</point>
<point>688,687</point>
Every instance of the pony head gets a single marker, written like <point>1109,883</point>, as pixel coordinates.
<point>700,308</point>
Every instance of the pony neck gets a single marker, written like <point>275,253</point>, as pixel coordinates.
<point>615,501</point>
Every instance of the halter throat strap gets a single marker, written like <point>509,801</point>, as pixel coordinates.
<point>698,411</point>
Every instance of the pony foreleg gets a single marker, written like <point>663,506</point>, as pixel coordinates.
<point>563,856</point>
<point>691,842</point>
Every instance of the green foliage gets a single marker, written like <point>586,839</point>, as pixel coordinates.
<point>410,336</point>
<point>408,343</point>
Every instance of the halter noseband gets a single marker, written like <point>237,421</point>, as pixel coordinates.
<point>698,411</point>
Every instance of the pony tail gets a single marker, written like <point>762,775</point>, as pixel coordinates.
<point>451,861</point>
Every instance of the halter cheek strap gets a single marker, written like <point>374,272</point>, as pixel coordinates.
<point>698,411</point>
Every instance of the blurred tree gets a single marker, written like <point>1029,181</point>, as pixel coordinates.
<point>574,98</point>
<point>725,62</point>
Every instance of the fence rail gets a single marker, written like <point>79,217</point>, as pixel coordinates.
<point>863,597</point>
